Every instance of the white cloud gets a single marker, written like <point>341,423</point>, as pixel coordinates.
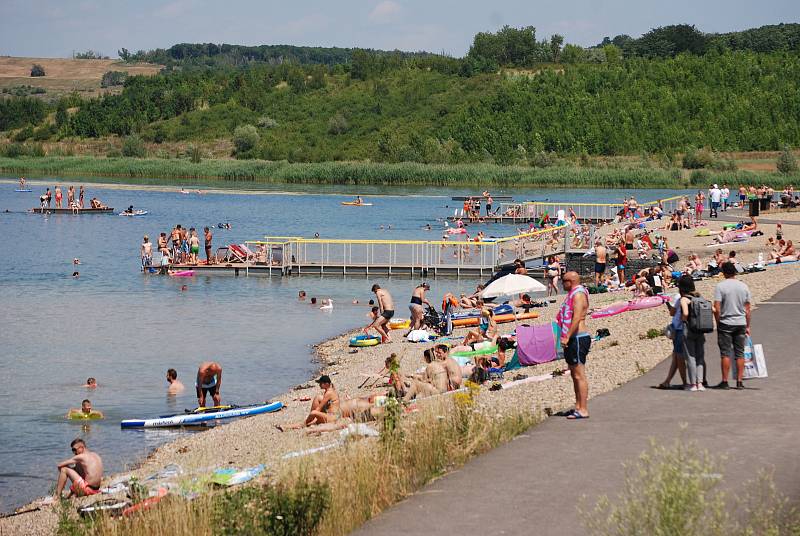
<point>385,12</point>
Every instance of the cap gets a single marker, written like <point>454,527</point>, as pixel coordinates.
<point>324,379</point>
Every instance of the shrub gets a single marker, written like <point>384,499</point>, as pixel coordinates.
<point>786,163</point>
<point>23,134</point>
<point>338,124</point>
<point>37,70</point>
<point>134,147</point>
<point>245,138</point>
<point>266,122</point>
<point>195,154</point>
<point>113,78</point>
<point>542,159</point>
<point>698,159</point>
<point>273,510</point>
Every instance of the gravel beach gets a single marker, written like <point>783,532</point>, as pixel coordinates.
<point>614,360</point>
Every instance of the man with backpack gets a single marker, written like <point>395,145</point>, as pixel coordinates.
<point>732,312</point>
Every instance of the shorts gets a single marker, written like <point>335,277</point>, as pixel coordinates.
<point>388,314</point>
<point>414,307</point>
<point>599,267</point>
<point>210,391</point>
<point>714,205</point>
<point>677,341</point>
<point>731,340</point>
<point>620,267</point>
<point>195,249</point>
<point>577,349</point>
<point>81,488</point>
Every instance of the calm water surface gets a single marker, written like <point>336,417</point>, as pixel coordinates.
<point>126,329</point>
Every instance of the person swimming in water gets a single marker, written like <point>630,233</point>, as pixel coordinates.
<point>85,411</point>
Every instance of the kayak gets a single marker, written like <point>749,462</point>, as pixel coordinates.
<point>500,319</point>
<point>191,419</point>
<point>134,213</point>
<point>354,204</point>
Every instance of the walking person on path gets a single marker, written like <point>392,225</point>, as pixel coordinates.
<point>575,340</point>
<point>732,301</point>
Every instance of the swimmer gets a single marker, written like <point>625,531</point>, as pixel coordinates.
<point>84,412</point>
<point>209,381</point>
<point>313,301</point>
<point>175,386</point>
<point>91,383</point>
<point>76,261</point>
<point>184,288</point>
<point>428,227</point>
<point>355,301</point>
<point>301,295</point>
<point>316,235</point>
<point>76,275</point>
<point>327,305</point>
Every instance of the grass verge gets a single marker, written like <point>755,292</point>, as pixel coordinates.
<point>333,493</point>
<point>157,171</point>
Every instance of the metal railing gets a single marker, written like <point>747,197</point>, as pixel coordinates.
<point>535,210</point>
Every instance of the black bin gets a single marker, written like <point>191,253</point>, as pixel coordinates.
<point>754,207</point>
<point>765,203</point>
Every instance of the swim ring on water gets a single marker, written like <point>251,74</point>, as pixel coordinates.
<point>365,340</point>
<point>458,230</point>
<point>76,416</point>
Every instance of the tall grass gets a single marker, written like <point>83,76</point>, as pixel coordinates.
<point>359,480</point>
<point>677,490</point>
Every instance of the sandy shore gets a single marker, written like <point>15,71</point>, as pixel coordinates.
<point>612,361</point>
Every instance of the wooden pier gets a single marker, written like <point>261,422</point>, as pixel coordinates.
<point>292,256</point>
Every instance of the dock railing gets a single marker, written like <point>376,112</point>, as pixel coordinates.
<point>593,212</point>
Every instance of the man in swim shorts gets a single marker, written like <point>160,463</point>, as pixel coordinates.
<point>84,469</point>
<point>386,305</point>
<point>207,236</point>
<point>147,253</point>
<point>85,411</point>
<point>209,382</point>
<point>575,340</point>
<point>600,263</point>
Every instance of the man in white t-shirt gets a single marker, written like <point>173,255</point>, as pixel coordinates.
<point>726,193</point>
<point>715,196</point>
<point>561,217</point>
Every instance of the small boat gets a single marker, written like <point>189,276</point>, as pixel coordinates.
<point>198,418</point>
<point>21,190</point>
<point>134,213</point>
<point>40,210</point>
<point>356,204</point>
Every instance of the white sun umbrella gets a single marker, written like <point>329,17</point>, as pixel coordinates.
<point>511,284</point>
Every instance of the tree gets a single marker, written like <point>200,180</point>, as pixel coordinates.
<point>37,70</point>
<point>786,163</point>
<point>556,41</point>
<point>245,138</point>
<point>134,147</point>
<point>573,54</point>
<point>613,54</point>
<point>338,124</point>
<point>124,54</point>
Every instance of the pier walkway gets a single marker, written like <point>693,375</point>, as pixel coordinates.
<point>497,493</point>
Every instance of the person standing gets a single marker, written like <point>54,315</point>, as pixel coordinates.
<point>386,305</point>
<point>80,196</point>
<point>147,253</point>
<point>575,340</point>
<point>209,382</point>
<point>726,193</point>
<point>715,197</point>
<point>599,264</point>
<point>59,196</point>
<point>417,312</point>
<point>732,301</point>
<point>208,237</point>
<point>621,260</point>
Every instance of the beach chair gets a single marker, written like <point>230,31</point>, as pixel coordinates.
<point>236,253</point>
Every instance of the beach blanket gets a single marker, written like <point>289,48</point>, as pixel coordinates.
<point>538,343</point>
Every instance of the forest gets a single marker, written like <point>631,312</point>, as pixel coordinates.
<point>512,100</point>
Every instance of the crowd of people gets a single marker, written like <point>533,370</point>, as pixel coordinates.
<point>55,198</point>
<point>181,246</point>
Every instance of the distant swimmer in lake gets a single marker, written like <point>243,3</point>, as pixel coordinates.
<point>91,383</point>
<point>175,386</point>
<point>84,469</point>
<point>209,382</point>
<point>85,412</point>
<point>128,210</point>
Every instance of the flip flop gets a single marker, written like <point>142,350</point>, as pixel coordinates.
<point>574,416</point>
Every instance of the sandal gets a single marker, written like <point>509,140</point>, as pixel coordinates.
<point>574,415</point>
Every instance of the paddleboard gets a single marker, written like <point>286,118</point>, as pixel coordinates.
<point>21,190</point>
<point>200,418</point>
<point>354,204</point>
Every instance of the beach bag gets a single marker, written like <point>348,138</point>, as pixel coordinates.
<point>755,365</point>
<point>701,316</point>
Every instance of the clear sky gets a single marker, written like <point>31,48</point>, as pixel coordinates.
<point>54,28</point>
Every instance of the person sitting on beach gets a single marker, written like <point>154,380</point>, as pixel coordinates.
<point>487,329</point>
<point>85,412</point>
<point>694,264</point>
<point>786,253</point>
<point>454,373</point>
<point>91,383</point>
<point>523,302</point>
<point>752,225</point>
<point>84,469</point>
<point>208,382</point>
<point>175,386</point>
<point>324,407</point>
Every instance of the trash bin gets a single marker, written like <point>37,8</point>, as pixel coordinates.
<point>754,205</point>
<point>764,203</point>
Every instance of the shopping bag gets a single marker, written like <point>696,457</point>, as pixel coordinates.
<point>755,365</point>
<point>760,360</point>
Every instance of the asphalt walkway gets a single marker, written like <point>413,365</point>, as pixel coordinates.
<point>498,493</point>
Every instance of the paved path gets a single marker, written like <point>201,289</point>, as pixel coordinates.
<point>498,494</point>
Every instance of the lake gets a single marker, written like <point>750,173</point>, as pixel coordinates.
<point>126,329</point>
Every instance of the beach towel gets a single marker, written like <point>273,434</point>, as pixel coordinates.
<point>538,343</point>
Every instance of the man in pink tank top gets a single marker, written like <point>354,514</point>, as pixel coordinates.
<point>575,340</point>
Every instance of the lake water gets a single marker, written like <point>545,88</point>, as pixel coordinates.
<point>126,329</point>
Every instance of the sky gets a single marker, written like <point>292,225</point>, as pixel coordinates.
<point>56,28</point>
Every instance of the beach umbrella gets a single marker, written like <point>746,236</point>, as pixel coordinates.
<point>511,284</point>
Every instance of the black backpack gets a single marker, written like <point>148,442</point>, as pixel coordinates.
<point>701,315</point>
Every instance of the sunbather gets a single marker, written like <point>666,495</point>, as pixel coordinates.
<point>324,407</point>
<point>487,329</point>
